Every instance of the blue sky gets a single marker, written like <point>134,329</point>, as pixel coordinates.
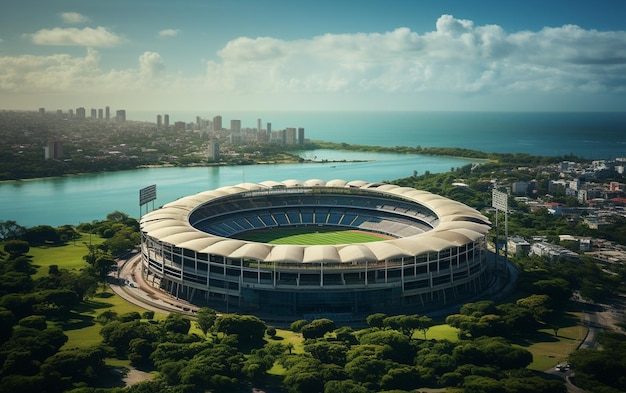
<point>557,55</point>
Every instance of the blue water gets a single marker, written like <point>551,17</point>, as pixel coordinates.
<point>84,198</point>
<point>593,135</point>
<point>76,199</point>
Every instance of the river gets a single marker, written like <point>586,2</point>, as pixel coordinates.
<point>84,198</point>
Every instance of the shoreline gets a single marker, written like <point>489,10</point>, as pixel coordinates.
<point>296,160</point>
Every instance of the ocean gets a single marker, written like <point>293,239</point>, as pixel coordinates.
<point>592,135</point>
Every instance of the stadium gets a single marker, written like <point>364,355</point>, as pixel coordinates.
<point>229,248</point>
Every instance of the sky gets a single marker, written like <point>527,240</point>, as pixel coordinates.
<point>410,55</point>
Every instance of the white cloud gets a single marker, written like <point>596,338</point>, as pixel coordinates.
<point>87,36</point>
<point>457,57</point>
<point>151,64</point>
<point>73,17</point>
<point>169,33</point>
<point>458,62</point>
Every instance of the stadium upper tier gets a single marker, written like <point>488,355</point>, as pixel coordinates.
<point>419,221</point>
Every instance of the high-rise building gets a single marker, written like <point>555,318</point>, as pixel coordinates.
<point>290,136</point>
<point>166,120</point>
<point>179,126</point>
<point>120,115</point>
<point>214,150</point>
<point>217,123</point>
<point>235,126</point>
<point>94,113</point>
<point>42,111</point>
<point>159,121</point>
<point>70,113</point>
<point>100,114</point>
<point>80,113</point>
<point>107,115</point>
<point>258,124</point>
<point>301,135</point>
<point>54,150</point>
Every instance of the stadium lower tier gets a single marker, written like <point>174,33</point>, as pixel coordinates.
<point>340,290</point>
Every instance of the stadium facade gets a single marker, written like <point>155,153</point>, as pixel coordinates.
<point>434,253</point>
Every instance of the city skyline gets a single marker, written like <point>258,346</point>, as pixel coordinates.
<point>278,55</point>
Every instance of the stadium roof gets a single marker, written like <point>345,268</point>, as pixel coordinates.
<point>457,225</point>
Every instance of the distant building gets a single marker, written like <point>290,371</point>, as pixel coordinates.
<point>166,120</point>
<point>100,114</point>
<point>519,188</point>
<point>300,135</point>
<point>54,150</point>
<point>107,114</point>
<point>214,150</point>
<point>94,113</point>
<point>80,113</point>
<point>518,246</point>
<point>42,111</point>
<point>235,126</point>
<point>159,121</point>
<point>120,116</point>
<point>552,251</point>
<point>290,136</point>
<point>179,126</point>
<point>217,123</point>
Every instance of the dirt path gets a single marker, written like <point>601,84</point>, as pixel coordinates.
<point>134,376</point>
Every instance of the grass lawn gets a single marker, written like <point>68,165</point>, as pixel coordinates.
<point>548,350</point>
<point>68,256</point>
<point>83,331</point>
<point>286,337</point>
<point>439,332</point>
<point>310,236</point>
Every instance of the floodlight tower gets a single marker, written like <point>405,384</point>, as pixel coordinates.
<point>500,201</point>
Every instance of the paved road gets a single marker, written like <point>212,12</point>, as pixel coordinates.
<point>128,283</point>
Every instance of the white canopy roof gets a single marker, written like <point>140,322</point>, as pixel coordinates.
<point>458,224</point>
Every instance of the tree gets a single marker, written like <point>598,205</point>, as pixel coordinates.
<point>347,386</point>
<point>250,329</point>
<point>37,322</point>
<point>328,352</point>
<point>205,319</point>
<point>139,350</point>
<point>16,247</point>
<point>318,328</point>
<point>376,320</point>
<point>147,314</point>
<point>41,234</point>
<point>296,326</point>
<point>117,216</point>
<point>176,323</point>
<point>367,369</point>
<point>7,320</point>
<point>103,266</point>
<point>537,304</point>
<point>424,324</point>
<point>10,230</point>
<point>79,364</point>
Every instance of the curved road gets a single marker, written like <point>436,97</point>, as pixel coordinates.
<point>128,283</point>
